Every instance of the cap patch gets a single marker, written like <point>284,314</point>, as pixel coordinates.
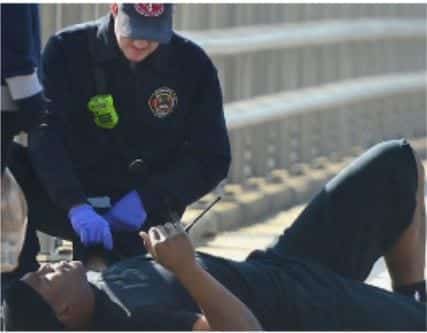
<point>150,9</point>
<point>162,102</point>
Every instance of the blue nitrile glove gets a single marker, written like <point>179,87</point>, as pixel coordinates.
<point>127,214</point>
<point>91,227</point>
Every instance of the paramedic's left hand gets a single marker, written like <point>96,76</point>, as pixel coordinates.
<point>127,214</point>
<point>170,246</point>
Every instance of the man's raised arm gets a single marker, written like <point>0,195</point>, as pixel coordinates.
<point>171,247</point>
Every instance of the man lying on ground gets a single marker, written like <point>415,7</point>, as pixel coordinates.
<point>310,279</point>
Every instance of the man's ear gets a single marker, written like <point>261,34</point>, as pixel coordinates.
<point>114,8</point>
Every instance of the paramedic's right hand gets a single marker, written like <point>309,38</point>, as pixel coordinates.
<point>92,228</point>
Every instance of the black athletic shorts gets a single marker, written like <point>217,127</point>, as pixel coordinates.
<point>358,215</point>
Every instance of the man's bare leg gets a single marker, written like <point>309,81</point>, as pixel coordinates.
<point>406,260</point>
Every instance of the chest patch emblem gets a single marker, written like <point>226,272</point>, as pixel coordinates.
<point>150,9</point>
<point>162,102</point>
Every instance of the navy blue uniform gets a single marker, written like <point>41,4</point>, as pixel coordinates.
<point>20,57</point>
<point>170,142</point>
<point>310,279</point>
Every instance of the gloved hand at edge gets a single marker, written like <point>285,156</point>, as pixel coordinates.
<point>127,214</point>
<point>91,227</point>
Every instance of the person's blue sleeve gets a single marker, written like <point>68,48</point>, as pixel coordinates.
<point>20,57</point>
<point>20,34</point>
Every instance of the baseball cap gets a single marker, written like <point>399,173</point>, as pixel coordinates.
<point>26,310</point>
<point>148,21</point>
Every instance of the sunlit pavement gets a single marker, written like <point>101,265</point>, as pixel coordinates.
<point>237,244</point>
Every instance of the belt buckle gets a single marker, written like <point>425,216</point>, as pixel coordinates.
<point>100,202</point>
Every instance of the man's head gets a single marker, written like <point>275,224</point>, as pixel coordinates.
<point>56,296</point>
<point>140,28</point>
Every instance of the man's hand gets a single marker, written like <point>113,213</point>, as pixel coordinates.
<point>171,247</point>
<point>127,214</point>
<point>91,227</point>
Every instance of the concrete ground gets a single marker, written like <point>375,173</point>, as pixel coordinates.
<point>238,243</point>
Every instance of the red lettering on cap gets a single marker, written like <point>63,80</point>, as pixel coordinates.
<point>150,9</point>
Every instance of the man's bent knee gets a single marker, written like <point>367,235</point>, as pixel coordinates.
<point>398,157</point>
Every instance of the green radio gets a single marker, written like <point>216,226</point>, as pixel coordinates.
<point>103,110</point>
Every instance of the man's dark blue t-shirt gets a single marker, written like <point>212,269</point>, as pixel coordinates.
<point>139,286</point>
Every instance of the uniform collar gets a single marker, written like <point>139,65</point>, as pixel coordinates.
<point>160,60</point>
<point>107,48</point>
